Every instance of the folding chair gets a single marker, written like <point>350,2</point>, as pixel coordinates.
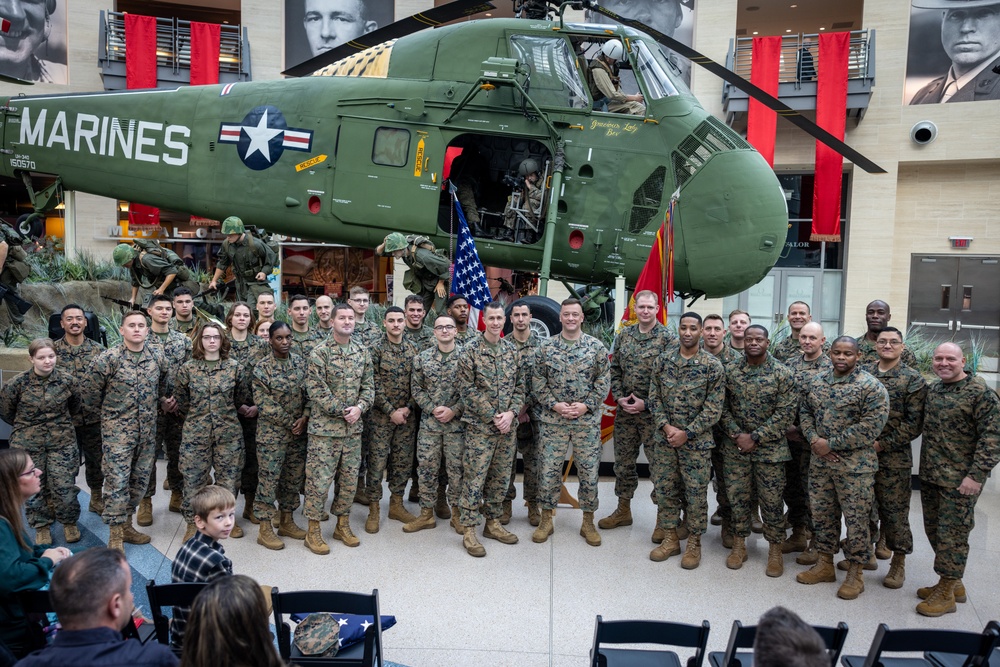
<point>972,648</point>
<point>942,659</point>
<point>647,632</point>
<point>37,602</point>
<point>742,637</point>
<point>363,654</point>
<point>169,595</point>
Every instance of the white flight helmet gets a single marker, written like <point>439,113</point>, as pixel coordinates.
<point>613,49</point>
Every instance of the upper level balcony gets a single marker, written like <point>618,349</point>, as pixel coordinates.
<point>796,79</point>
<point>173,52</point>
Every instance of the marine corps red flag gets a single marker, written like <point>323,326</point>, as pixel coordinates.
<point>140,51</point>
<point>762,121</point>
<point>831,115</point>
<point>651,278</point>
<point>205,53</point>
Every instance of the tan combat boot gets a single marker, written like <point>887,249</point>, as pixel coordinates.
<point>738,555</point>
<point>71,532</point>
<point>727,534</point>
<point>669,546</point>
<point>176,499</point>
<point>248,508</point>
<point>371,523</point>
<point>682,529</point>
<point>658,533</point>
<point>797,542</point>
<point>897,571</point>
<point>361,495</point>
<point>441,505</point>
<point>314,539</point>
<point>924,593</point>
<point>166,485</point>
<point>189,531</point>
<point>545,527</point>
<point>133,536</point>
<point>425,520</point>
<point>396,510</point>
<point>775,560</point>
<point>872,564</point>
<point>854,584</point>
<point>415,490</point>
<point>237,532</point>
<point>115,540</point>
<point>454,521</point>
<point>266,537</point>
<point>495,531</point>
<point>588,531</point>
<point>343,531</point>
<point>144,516</point>
<point>622,516</point>
<point>756,525</point>
<point>288,528</point>
<point>810,556</point>
<point>534,515</point>
<point>692,555</point>
<point>96,502</point>
<point>43,535</point>
<point>941,601</point>
<point>821,572</point>
<point>471,542</point>
<point>882,549</point>
<point>507,511</point>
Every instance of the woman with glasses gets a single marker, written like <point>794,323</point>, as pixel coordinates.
<point>25,565</point>
<point>39,404</point>
<point>209,390</point>
<point>247,349</point>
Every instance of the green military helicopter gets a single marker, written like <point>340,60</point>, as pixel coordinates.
<point>362,147</point>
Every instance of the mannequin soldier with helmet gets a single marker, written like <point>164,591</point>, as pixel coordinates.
<point>605,86</point>
<point>251,259</point>
<point>151,266</point>
<point>428,272</point>
<point>524,206</point>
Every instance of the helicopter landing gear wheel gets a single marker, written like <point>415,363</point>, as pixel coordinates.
<point>544,316</point>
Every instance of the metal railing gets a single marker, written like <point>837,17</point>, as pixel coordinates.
<point>173,44</point>
<point>860,64</point>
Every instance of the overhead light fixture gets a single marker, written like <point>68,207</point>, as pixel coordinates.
<point>788,29</point>
<point>793,6</point>
<point>822,28</point>
<point>755,32</point>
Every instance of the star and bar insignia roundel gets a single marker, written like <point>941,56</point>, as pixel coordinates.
<point>262,137</point>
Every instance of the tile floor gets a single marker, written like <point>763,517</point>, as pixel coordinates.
<point>533,605</point>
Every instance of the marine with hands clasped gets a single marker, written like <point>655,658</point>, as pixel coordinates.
<point>527,343</point>
<point>713,340</point>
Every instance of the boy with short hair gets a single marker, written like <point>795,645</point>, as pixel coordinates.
<point>202,558</point>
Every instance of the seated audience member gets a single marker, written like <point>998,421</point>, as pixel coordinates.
<point>785,640</point>
<point>202,558</point>
<point>91,594</point>
<point>228,627</point>
<point>25,565</point>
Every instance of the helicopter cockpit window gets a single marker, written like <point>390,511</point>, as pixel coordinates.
<point>653,72</point>
<point>392,146</point>
<point>554,79</point>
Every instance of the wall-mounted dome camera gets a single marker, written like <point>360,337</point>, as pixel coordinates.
<point>923,133</point>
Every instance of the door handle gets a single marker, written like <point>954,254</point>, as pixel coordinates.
<point>958,325</point>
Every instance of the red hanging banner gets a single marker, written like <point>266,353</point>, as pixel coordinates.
<point>204,53</point>
<point>140,51</point>
<point>762,121</point>
<point>831,115</point>
<point>140,215</point>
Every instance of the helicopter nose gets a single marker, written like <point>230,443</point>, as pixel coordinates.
<point>731,213</point>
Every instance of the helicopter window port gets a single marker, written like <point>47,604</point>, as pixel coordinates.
<point>553,79</point>
<point>653,72</point>
<point>391,147</point>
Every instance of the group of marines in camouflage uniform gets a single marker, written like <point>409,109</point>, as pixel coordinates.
<point>823,430</point>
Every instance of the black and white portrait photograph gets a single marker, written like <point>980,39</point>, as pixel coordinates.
<point>313,27</point>
<point>34,47</point>
<point>674,18</point>
<point>954,52</point>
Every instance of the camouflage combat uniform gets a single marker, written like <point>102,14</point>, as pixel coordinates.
<point>849,412</point>
<point>339,377</point>
<point>687,394</point>
<point>129,385</point>
<point>790,348</point>
<point>762,401</point>
<point>15,268</point>
<point>868,355</point>
<point>425,268</point>
<point>183,327</point>
<point>208,394</point>
<point>248,257</point>
<point>304,342</point>
<point>565,371</point>
<point>797,469</point>
<point>41,411</point>
<point>77,360</point>
<point>432,384</point>
<point>176,348</point>
<point>727,357</point>
<point>391,447</point>
<point>366,332</point>
<point>490,383</point>
<point>961,439</point>
<point>907,391</point>
<point>149,270</point>
<point>633,362</point>
<point>248,353</point>
<point>463,338</point>
<point>527,426</point>
<point>279,389</point>
<point>423,337</point>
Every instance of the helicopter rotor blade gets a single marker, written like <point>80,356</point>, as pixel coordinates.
<point>411,24</point>
<point>731,77</point>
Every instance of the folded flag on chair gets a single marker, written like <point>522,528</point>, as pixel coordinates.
<point>352,627</point>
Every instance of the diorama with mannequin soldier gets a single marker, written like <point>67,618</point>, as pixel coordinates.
<point>14,269</point>
<point>523,213</point>
<point>606,86</point>
<point>155,268</point>
<point>250,258</point>
<point>428,272</point>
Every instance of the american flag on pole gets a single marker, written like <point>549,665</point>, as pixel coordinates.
<point>469,278</point>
